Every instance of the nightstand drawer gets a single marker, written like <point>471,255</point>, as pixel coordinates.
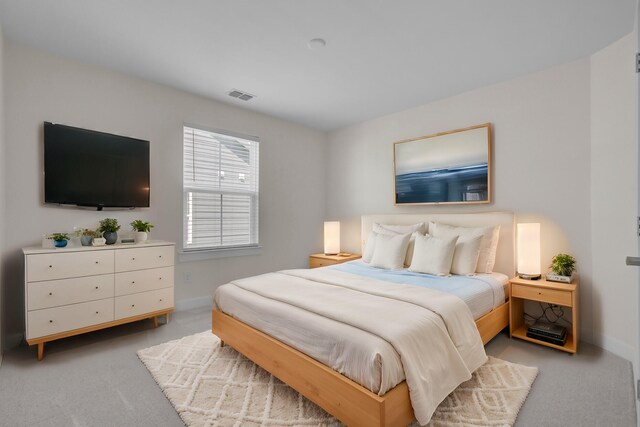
<point>316,262</point>
<point>551,296</point>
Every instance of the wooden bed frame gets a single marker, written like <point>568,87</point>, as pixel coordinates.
<point>343,398</point>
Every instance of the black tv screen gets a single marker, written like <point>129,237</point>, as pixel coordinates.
<point>88,168</point>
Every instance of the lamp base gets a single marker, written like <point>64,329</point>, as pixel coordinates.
<point>530,276</point>
<point>331,254</point>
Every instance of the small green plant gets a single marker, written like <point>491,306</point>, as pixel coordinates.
<point>88,233</point>
<point>108,225</point>
<point>563,264</point>
<point>58,237</point>
<point>142,226</point>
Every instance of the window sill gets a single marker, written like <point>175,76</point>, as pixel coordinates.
<point>199,255</point>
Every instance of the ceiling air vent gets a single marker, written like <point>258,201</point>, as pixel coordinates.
<point>235,93</point>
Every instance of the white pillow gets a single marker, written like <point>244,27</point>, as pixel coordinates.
<point>369,247</point>
<point>392,230</point>
<point>433,255</point>
<point>390,251</point>
<point>465,255</point>
<point>488,247</point>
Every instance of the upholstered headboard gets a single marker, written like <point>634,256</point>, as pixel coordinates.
<point>505,256</point>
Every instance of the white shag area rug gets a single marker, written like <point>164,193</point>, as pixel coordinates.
<point>209,385</point>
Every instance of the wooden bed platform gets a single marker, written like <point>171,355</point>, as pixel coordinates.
<point>343,398</point>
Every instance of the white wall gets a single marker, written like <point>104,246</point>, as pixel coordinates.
<point>42,87</point>
<point>614,196</point>
<point>541,161</point>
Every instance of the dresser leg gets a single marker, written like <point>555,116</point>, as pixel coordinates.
<point>40,351</point>
<point>221,343</point>
<point>155,321</point>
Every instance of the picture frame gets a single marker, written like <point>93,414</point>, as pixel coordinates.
<point>452,167</point>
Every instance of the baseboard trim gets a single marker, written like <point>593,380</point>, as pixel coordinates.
<point>191,303</point>
<point>612,345</point>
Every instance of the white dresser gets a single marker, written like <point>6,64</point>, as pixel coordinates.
<point>70,291</point>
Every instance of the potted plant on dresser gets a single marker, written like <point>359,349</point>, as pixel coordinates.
<point>59,239</point>
<point>87,235</point>
<point>142,229</point>
<point>109,228</point>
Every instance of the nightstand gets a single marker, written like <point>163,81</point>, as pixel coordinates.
<point>562,294</point>
<point>322,260</point>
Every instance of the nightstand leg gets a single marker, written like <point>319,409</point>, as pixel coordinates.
<point>40,351</point>
<point>155,321</point>
<point>221,343</point>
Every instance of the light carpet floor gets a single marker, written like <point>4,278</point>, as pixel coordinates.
<point>212,385</point>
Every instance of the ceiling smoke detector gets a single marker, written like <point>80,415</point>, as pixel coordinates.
<point>235,93</point>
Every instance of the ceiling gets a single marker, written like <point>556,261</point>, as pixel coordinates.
<point>380,56</point>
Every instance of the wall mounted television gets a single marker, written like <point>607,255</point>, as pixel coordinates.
<point>94,169</point>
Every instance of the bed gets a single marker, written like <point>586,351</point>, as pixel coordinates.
<point>349,371</point>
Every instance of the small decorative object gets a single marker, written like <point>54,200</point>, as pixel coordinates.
<point>448,167</point>
<point>87,235</point>
<point>98,241</point>
<point>331,237</point>
<point>109,228</point>
<point>563,267</point>
<point>59,239</point>
<point>142,228</point>
<point>528,245</point>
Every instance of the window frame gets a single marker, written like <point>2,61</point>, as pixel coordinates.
<point>222,251</point>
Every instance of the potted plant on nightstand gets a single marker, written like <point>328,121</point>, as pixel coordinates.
<point>87,235</point>
<point>563,267</point>
<point>59,239</point>
<point>142,228</point>
<point>109,228</point>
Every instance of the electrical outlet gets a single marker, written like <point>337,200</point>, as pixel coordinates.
<point>187,277</point>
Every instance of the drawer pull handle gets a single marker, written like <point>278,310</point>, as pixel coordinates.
<point>133,305</point>
<point>50,321</point>
<point>97,312</point>
<point>96,287</point>
<point>96,262</point>
<point>50,293</point>
<point>160,299</point>
<point>159,278</point>
<point>133,283</point>
<point>133,259</point>
<point>539,293</point>
<point>51,266</point>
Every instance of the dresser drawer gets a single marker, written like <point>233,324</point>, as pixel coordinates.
<point>142,258</point>
<point>50,321</point>
<point>143,302</point>
<point>551,296</point>
<point>53,293</point>
<point>131,282</point>
<point>68,264</point>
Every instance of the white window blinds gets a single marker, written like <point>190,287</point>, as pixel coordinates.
<point>220,190</point>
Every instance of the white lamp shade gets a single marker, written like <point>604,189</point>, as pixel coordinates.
<point>332,237</point>
<point>528,248</point>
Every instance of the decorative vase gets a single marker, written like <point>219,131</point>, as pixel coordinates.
<point>98,241</point>
<point>60,243</point>
<point>110,236</point>
<point>85,240</point>
<point>141,236</point>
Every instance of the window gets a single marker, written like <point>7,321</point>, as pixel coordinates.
<point>220,190</point>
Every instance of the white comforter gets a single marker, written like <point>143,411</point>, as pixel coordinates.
<point>433,332</point>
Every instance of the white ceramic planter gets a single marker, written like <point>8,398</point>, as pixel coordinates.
<point>141,236</point>
<point>98,241</point>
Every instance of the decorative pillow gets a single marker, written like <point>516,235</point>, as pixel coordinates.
<point>433,255</point>
<point>488,246</point>
<point>390,251</point>
<point>465,256</point>
<point>392,230</point>
<point>369,247</point>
